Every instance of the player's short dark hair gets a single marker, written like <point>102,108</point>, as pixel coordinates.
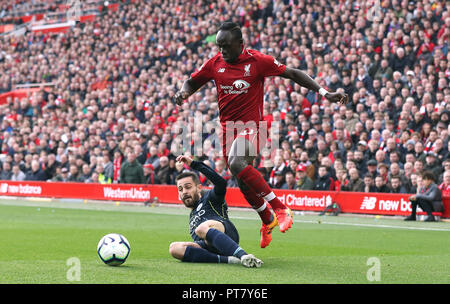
<point>232,27</point>
<point>191,174</point>
<point>428,175</point>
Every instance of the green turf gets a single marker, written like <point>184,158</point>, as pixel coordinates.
<point>38,238</point>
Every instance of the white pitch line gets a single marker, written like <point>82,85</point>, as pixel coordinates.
<point>357,224</point>
<point>247,218</point>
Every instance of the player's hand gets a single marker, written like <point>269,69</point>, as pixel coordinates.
<point>338,97</point>
<point>180,96</point>
<point>184,159</point>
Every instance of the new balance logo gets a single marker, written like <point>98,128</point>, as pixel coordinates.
<point>276,62</point>
<point>221,70</point>
<point>368,203</point>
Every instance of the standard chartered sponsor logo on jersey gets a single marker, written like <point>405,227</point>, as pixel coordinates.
<point>238,87</point>
<point>132,193</point>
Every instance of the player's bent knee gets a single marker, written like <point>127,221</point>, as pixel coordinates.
<point>202,230</point>
<point>237,164</point>
<point>177,249</point>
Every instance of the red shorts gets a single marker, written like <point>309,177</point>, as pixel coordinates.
<point>252,134</point>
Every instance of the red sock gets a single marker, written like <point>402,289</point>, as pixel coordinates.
<point>259,205</point>
<point>253,179</point>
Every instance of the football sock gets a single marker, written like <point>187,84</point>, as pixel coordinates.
<point>223,243</point>
<point>252,178</point>
<point>200,255</point>
<point>259,205</point>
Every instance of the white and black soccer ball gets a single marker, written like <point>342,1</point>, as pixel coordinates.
<point>113,249</point>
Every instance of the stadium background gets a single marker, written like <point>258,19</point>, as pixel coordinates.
<point>80,96</point>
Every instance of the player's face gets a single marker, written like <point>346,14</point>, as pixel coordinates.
<point>229,46</point>
<point>188,191</point>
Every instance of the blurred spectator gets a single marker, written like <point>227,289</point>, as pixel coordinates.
<point>74,175</point>
<point>414,183</point>
<point>85,173</point>
<point>61,175</point>
<point>303,182</point>
<point>117,163</point>
<point>221,169</point>
<point>162,172</point>
<point>432,164</point>
<point>369,183</point>
<point>149,175</point>
<point>131,171</point>
<point>17,174</point>
<point>52,164</point>
<point>380,185</point>
<point>445,185</point>
<point>280,167</point>
<point>6,172</point>
<point>396,185</point>
<point>341,179</point>
<point>93,178</point>
<point>35,173</point>
<point>372,166</point>
<point>102,177</point>
<point>445,167</point>
<point>108,167</point>
<point>290,182</point>
<point>355,184</point>
<point>324,181</point>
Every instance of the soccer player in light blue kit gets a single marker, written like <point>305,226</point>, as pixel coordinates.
<point>215,238</point>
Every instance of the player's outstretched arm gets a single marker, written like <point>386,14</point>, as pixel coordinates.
<point>220,184</point>
<point>306,81</point>
<point>189,87</point>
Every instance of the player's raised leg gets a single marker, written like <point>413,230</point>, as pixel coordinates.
<point>268,218</point>
<point>241,167</point>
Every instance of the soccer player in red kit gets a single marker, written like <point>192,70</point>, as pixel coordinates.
<point>239,73</point>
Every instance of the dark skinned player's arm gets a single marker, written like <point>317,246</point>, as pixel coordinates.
<point>220,184</point>
<point>189,87</point>
<point>301,78</point>
<point>306,81</point>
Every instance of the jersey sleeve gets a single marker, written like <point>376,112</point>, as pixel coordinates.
<point>204,73</point>
<point>269,66</point>
<point>220,184</point>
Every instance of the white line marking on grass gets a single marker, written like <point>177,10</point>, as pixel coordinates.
<point>357,224</point>
<point>107,207</point>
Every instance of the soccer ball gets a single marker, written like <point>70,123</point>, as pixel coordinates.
<point>113,249</point>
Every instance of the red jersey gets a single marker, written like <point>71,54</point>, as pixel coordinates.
<point>240,86</point>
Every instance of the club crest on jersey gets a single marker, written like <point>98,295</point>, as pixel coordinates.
<point>247,70</point>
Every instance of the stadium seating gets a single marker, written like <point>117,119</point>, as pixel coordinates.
<point>106,84</point>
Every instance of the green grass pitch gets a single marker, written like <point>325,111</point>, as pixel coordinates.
<point>40,238</point>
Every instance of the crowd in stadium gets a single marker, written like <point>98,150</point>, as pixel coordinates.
<point>109,116</point>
